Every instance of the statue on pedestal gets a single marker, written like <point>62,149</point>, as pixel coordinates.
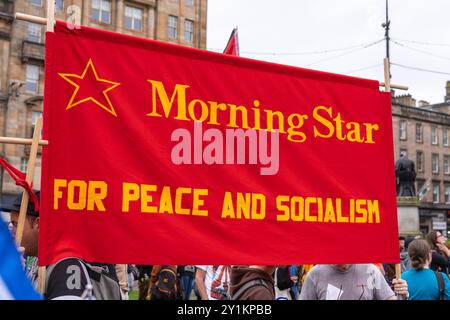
<point>406,176</point>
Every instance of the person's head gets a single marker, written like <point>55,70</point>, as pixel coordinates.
<point>342,267</point>
<point>419,252</point>
<point>30,228</point>
<point>408,241</point>
<point>435,237</point>
<point>401,242</point>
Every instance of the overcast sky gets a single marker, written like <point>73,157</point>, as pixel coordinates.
<point>282,31</point>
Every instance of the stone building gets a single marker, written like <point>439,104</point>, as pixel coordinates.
<point>22,56</point>
<point>422,132</point>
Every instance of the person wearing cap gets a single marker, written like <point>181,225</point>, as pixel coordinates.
<point>30,235</point>
<point>66,281</point>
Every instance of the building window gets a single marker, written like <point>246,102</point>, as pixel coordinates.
<point>133,18</point>
<point>447,164</point>
<point>59,5</point>
<point>434,135</point>
<point>172,27</point>
<point>101,11</point>
<point>32,80</point>
<point>189,31</point>
<point>419,160</point>
<point>435,163</point>
<point>37,3</point>
<point>419,132</point>
<point>402,130</point>
<point>445,137</point>
<point>34,32</point>
<point>447,194</point>
<point>189,2</point>
<point>436,193</point>
<point>24,165</point>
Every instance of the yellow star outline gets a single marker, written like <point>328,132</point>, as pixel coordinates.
<point>71,78</point>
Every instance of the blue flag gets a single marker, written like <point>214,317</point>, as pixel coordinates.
<point>14,284</point>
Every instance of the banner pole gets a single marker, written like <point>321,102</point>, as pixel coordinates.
<point>29,179</point>
<point>387,81</point>
<point>30,18</point>
<point>50,28</point>
<point>11,140</point>
<point>41,279</point>
<point>50,15</point>
<point>393,86</point>
<point>387,76</point>
<point>25,196</point>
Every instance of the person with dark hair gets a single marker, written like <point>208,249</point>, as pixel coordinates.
<point>423,283</point>
<point>440,258</point>
<point>283,283</point>
<point>408,240</point>
<point>401,242</point>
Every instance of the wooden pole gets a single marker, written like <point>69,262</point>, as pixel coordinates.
<point>29,179</point>
<point>394,86</point>
<point>30,18</point>
<point>387,76</point>
<point>25,196</point>
<point>50,28</point>
<point>41,279</point>
<point>398,271</point>
<point>50,15</point>
<point>22,141</point>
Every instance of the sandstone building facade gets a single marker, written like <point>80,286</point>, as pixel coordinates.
<point>422,132</point>
<point>22,56</point>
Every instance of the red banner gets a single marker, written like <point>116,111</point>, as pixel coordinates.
<point>145,166</point>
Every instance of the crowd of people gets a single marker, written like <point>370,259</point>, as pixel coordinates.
<point>425,265</point>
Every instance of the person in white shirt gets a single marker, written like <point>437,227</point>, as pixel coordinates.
<point>213,282</point>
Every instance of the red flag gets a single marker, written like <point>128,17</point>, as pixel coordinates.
<point>114,190</point>
<point>233,44</point>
